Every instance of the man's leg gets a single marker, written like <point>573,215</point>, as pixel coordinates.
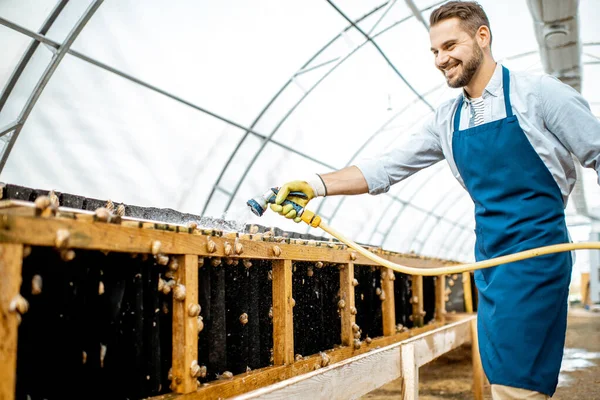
<point>501,392</point>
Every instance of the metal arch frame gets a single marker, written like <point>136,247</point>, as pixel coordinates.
<point>427,213</point>
<point>16,74</point>
<point>417,14</point>
<point>433,171</point>
<point>83,57</point>
<point>443,199</point>
<point>301,71</point>
<point>369,39</point>
<point>404,203</point>
<point>461,246</point>
<point>47,74</point>
<point>451,231</point>
<point>389,62</point>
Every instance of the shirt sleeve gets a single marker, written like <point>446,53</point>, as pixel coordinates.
<point>568,116</point>
<point>413,153</point>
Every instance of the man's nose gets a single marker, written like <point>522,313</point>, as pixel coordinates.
<point>441,59</point>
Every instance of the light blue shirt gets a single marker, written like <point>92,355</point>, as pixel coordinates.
<point>555,118</point>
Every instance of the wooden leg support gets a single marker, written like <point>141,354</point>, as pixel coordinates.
<point>478,375</point>
<point>388,306</point>
<point>440,298</point>
<point>185,326</point>
<point>11,259</point>
<point>417,300</point>
<point>348,317</point>
<point>410,373</point>
<point>283,315</point>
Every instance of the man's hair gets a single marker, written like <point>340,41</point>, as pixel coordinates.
<point>470,14</point>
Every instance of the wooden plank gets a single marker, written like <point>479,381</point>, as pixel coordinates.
<point>348,314</point>
<point>478,374</point>
<point>417,300</point>
<point>283,314</point>
<point>361,374</point>
<point>119,238</point>
<point>260,378</point>
<point>11,260</point>
<point>185,325</point>
<point>410,373</point>
<point>468,296</point>
<point>440,298</point>
<point>388,305</point>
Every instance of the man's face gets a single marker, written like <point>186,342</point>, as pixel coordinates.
<point>457,54</point>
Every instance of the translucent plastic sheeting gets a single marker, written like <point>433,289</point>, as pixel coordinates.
<point>230,57</point>
<point>417,64</point>
<point>28,13</point>
<point>25,85</point>
<point>98,135</point>
<point>13,46</point>
<point>344,109</point>
<point>356,9</point>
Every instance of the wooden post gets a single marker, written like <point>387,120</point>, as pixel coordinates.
<point>185,325</point>
<point>388,305</point>
<point>11,260</point>
<point>410,373</point>
<point>478,375</point>
<point>440,298</point>
<point>585,289</point>
<point>348,318</point>
<point>417,300</point>
<point>283,315</point>
<point>466,281</point>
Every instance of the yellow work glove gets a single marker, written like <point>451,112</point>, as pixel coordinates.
<point>293,186</point>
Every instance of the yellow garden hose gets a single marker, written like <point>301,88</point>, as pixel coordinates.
<point>315,221</point>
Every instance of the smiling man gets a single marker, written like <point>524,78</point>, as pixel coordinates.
<point>509,139</point>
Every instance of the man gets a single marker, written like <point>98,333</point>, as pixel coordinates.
<point>509,140</point>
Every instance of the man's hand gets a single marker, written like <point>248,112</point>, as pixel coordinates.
<point>293,186</point>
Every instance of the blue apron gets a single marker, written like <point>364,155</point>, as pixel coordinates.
<point>522,309</point>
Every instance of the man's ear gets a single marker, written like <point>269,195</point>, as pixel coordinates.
<point>483,36</point>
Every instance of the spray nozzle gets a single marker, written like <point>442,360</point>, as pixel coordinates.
<point>258,204</point>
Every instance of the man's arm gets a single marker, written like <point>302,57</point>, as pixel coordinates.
<point>568,116</point>
<point>349,180</point>
<point>413,153</point>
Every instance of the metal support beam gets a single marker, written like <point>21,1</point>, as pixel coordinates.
<point>47,74</point>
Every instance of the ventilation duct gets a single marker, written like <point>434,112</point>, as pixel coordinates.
<point>557,32</point>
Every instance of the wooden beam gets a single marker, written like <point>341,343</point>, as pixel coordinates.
<point>468,296</point>
<point>11,260</point>
<point>417,300</point>
<point>348,315</point>
<point>260,378</point>
<point>362,374</point>
<point>283,313</point>
<point>478,374</point>
<point>125,238</point>
<point>409,373</point>
<point>185,325</point>
<point>388,305</point>
<point>440,298</point>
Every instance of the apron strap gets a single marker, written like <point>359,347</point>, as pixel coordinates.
<point>506,90</point>
<point>457,114</point>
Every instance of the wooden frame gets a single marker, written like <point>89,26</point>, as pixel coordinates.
<point>363,373</point>
<point>21,224</point>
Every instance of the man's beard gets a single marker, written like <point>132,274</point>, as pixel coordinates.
<point>469,69</point>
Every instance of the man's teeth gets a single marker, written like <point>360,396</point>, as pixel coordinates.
<point>448,70</point>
